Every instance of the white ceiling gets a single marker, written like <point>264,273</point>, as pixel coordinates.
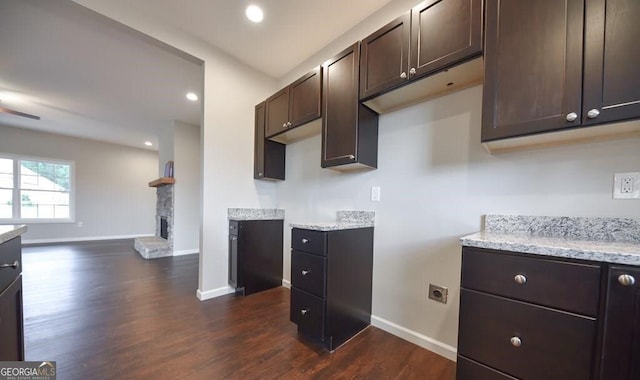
<point>88,76</point>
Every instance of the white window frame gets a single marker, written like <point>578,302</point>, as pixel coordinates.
<point>16,190</point>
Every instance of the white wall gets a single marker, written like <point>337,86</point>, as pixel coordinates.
<point>111,185</point>
<point>436,182</point>
<point>186,221</point>
<point>231,90</point>
<point>165,146</point>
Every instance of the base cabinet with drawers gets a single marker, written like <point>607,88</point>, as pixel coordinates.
<point>525,316</point>
<point>331,279</point>
<point>11,306</point>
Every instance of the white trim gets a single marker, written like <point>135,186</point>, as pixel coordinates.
<point>89,238</point>
<point>415,337</point>
<point>186,252</point>
<point>213,293</point>
<point>286,283</point>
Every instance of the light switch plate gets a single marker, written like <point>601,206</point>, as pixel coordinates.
<point>626,185</point>
<point>375,193</point>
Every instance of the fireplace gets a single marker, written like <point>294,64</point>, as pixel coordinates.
<point>164,232</point>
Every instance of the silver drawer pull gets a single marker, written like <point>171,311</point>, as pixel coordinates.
<point>626,280</point>
<point>515,341</point>
<point>305,241</point>
<point>14,265</point>
<point>520,279</point>
<point>304,311</point>
<point>305,272</point>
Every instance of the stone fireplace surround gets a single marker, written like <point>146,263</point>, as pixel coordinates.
<point>155,246</point>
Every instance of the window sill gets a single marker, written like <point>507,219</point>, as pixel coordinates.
<point>36,221</point>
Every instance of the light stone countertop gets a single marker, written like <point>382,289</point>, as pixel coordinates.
<point>612,240</point>
<point>255,214</point>
<point>8,232</point>
<point>345,220</point>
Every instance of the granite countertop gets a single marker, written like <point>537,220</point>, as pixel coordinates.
<point>612,240</point>
<point>255,214</point>
<point>8,232</point>
<point>345,220</point>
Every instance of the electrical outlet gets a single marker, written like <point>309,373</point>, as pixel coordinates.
<point>375,193</point>
<point>438,293</point>
<point>626,185</point>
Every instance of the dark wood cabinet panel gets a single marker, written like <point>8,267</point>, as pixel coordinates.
<point>612,58</point>
<point>470,370</point>
<point>385,57</point>
<point>268,156</point>
<point>336,287</point>
<point>551,345</point>
<point>444,32</point>
<point>533,66</point>
<point>11,306</point>
<point>277,112</point>
<point>255,255</point>
<point>540,281</point>
<point>349,129</point>
<point>305,98</point>
<point>621,341</point>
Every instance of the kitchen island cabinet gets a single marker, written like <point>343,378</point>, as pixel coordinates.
<point>11,305</point>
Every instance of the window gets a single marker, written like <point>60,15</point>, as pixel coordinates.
<point>35,190</point>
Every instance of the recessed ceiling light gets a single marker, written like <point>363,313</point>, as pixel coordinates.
<point>254,13</point>
<point>148,143</point>
<point>191,96</point>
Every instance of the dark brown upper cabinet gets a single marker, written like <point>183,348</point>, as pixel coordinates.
<point>537,81</point>
<point>293,106</point>
<point>432,38</point>
<point>268,156</point>
<point>349,129</point>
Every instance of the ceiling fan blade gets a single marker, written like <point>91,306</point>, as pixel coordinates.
<point>18,113</point>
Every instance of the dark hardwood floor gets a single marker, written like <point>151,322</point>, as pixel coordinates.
<point>103,312</point>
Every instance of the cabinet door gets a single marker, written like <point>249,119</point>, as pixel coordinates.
<point>277,112</point>
<point>268,156</point>
<point>385,58</point>
<point>444,32</point>
<point>621,341</point>
<point>258,142</point>
<point>11,325</point>
<point>305,98</point>
<point>533,67</point>
<point>612,58</point>
<point>340,108</point>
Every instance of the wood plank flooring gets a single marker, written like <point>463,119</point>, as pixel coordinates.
<point>102,312</point>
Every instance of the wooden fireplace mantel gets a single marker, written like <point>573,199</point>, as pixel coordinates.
<point>162,181</point>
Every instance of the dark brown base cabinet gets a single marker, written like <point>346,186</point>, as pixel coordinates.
<point>331,279</point>
<point>525,316</point>
<point>11,318</point>
<point>255,255</point>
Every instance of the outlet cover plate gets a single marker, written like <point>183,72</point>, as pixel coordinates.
<point>626,185</point>
<point>438,293</point>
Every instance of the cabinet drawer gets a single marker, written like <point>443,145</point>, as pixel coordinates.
<point>307,311</point>
<point>308,273</point>
<point>558,284</point>
<point>309,241</point>
<point>10,252</point>
<point>469,370</point>
<point>553,344</point>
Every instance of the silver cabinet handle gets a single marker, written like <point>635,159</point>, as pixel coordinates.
<point>520,279</point>
<point>593,113</point>
<point>352,157</point>
<point>626,280</point>
<point>304,311</point>
<point>259,174</point>
<point>14,265</point>
<point>288,123</point>
<point>305,241</point>
<point>572,116</point>
<point>515,341</point>
<point>284,125</point>
<point>403,75</point>
<point>305,272</point>
<point>412,71</point>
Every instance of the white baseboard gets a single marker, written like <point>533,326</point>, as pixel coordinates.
<point>78,239</point>
<point>286,283</point>
<point>415,337</point>
<point>186,252</point>
<point>213,293</point>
